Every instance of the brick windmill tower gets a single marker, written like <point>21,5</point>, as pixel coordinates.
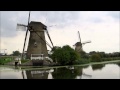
<point>37,44</point>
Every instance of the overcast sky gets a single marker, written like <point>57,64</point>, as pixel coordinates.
<point>101,27</point>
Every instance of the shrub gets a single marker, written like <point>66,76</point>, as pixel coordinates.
<point>65,55</point>
<point>82,61</point>
<point>96,58</point>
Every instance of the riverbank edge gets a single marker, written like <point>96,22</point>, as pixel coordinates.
<point>49,67</point>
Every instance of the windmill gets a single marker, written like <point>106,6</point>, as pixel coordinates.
<point>37,43</point>
<point>79,45</point>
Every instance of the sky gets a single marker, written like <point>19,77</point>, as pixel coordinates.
<point>100,27</point>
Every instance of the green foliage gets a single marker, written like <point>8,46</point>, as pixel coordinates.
<point>5,60</point>
<point>82,61</point>
<point>83,54</point>
<point>110,58</point>
<point>65,55</point>
<point>102,54</point>
<point>54,48</point>
<point>16,53</point>
<point>24,61</point>
<point>96,58</point>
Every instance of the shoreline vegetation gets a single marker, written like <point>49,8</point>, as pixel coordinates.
<point>82,62</point>
<point>47,67</point>
<point>66,55</point>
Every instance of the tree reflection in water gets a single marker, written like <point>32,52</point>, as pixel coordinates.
<point>117,63</point>
<point>97,66</point>
<point>67,73</point>
<point>86,66</point>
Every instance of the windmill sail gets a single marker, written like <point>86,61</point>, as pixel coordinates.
<point>49,38</point>
<point>79,36</point>
<point>26,35</point>
<point>21,27</point>
<point>86,42</point>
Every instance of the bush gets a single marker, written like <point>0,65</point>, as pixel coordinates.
<point>65,55</point>
<point>5,60</point>
<point>96,58</point>
<point>82,61</point>
<point>24,61</point>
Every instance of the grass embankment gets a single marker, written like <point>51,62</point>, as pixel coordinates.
<point>80,62</point>
<point>110,59</point>
<point>47,67</point>
<point>86,61</point>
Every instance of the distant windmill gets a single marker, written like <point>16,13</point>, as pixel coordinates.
<point>79,45</point>
<point>37,42</point>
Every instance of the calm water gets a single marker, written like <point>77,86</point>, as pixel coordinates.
<point>98,71</point>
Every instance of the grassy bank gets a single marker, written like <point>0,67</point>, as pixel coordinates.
<point>5,60</point>
<point>110,59</point>
<point>85,61</point>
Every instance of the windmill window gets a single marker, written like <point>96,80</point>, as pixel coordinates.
<point>35,44</point>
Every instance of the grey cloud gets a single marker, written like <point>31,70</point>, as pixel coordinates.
<point>61,18</point>
<point>7,26</point>
<point>9,22</point>
<point>10,19</point>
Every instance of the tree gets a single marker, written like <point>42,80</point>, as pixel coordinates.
<point>54,48</point>
<point>16,53</point>
<point>92,52</point>
<point>83,54</point>
<point>96,58</point>
<point>102,54</point>
<point>65,55</point>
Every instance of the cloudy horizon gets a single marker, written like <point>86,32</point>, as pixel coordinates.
<point>101,27</point>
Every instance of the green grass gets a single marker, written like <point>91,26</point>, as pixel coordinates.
<point>24,61</point>
<point>5,60</point>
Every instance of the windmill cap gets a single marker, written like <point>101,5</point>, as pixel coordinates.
<point>78,43</point>
<point>38,24</point>
<point>35,22</point>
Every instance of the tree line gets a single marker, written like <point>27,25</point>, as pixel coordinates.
<point>68,56</point>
